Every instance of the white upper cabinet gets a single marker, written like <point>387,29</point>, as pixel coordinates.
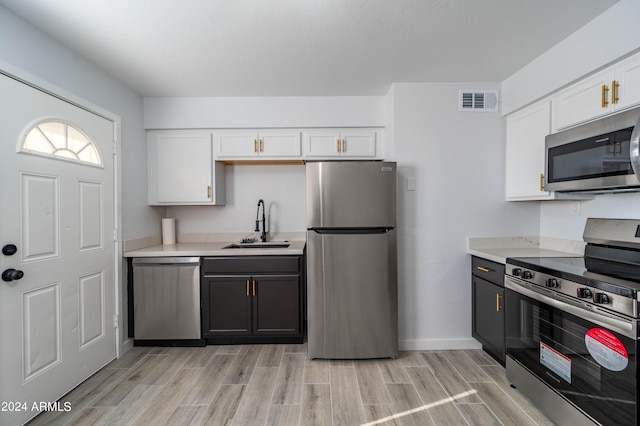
<point>525,151</point>
<point>525,133</point>
<point>334,143</point>
<point>255,145</point>
<point>181,169</point>
<point>628,77</point>
<point>608,91</point>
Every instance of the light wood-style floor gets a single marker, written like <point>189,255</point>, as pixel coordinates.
<point>279,385</point>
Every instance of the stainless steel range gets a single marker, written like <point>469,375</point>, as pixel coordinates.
<point>572,327</point>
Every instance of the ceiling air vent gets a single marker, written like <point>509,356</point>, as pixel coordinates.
<point>479,100</point>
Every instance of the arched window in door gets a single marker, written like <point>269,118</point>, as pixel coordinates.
<point>63,141</point>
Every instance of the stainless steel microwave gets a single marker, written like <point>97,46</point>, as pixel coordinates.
<point>597,157</point>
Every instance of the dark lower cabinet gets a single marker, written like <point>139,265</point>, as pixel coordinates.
<point>253,299</point>
<point>488,306</point>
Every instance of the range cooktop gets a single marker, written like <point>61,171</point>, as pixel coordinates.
<point>607,276</point>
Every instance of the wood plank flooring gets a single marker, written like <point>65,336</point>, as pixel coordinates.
<point>279,385</point>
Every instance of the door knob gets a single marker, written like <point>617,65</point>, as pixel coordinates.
<point>9,249</point>
<point>12,274</point>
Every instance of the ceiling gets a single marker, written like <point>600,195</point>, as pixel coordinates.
<point>305,47</point>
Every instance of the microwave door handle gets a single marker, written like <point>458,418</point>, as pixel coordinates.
<point>625,328</point>
<point>634,148</point>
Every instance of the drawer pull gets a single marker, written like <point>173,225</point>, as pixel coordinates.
<point>247,287</point>
<point>498,303</point>
<point>483,269</point>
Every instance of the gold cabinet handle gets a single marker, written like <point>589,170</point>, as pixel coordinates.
<point>614,92</point>
<point>483,269</point>
<point>605,91</point>
<point>255,145</point>
<point>541,182</point>
<point>498,307</point>
<point>343,145</point>
<point>247,286</point>
<point>338,145</point>
<point>208,191</point>
<point>261,146</point>
<point>254,287</point>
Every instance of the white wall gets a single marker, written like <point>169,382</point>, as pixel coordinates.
<point>613,34</point>
<point>457,159</point>
<point>282,187</point>
<point>265,112</point>
<point>28,49</point>
<point>557,219</point>
<point>25,49</point>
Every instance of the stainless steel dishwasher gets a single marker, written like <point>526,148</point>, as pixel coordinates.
<point>166,301</point>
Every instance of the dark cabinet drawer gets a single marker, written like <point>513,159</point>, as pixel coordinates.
<point>488,270</point>
<point>247,265</point>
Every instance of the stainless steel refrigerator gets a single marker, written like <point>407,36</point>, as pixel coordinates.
<point>352,296</point>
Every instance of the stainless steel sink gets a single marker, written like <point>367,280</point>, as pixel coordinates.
<point>257,245</point>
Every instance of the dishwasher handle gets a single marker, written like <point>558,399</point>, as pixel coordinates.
<point>165,261</point>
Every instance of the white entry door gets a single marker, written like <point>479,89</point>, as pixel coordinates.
<point>57,295</point>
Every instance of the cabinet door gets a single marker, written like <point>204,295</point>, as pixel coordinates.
<point>525,150</point>
<point>488,316</point>
<point>279,144</point>
<point>583,101</point>
<point>627,74</point>
<point>322,144</point>
<point>276,305</point>
<point>242,144</point>
<point>358,144</point>
<point>226,306</point>
<point>180,167</point>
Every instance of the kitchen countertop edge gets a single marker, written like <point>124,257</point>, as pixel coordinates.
<point>214,248</point>
<point>499,249</point>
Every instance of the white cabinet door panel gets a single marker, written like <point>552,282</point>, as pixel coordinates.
<point>628,76</point>
<point>526,131</point>
<point>237,144</point>
<point>279,144</point>
<point>180,167</point>
<point>583,101</point>
<point>358,144</point>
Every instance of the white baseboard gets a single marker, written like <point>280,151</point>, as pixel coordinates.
<point>438,344</point>
<point>125,346</point>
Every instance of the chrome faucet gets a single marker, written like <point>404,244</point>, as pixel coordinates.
<point>263,236</point>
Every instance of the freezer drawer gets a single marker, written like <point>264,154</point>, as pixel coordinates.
<point>352,295</point>
<point>166,295</point>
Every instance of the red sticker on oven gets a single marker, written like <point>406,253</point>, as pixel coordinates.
<point>606,349</point>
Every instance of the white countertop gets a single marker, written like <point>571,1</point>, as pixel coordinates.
<point>499,249</point>
<point>213,245</point>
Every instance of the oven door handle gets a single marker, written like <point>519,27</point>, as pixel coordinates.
<point>626,328</point>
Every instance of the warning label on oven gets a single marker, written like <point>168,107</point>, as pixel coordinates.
<point>606,349</point>
<point>555,361</point>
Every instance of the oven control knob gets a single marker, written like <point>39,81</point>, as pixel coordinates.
<point>553,283</point>
<point>516,272</point>
<point>527,275</point>
<point>601,298</point>
<point>584,293</point>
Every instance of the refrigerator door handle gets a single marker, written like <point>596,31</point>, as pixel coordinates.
<point>379,230</point>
